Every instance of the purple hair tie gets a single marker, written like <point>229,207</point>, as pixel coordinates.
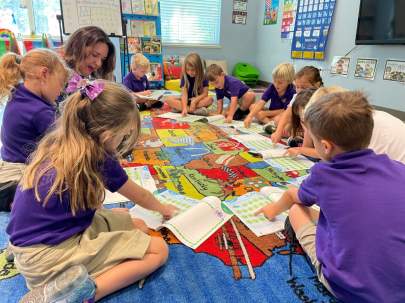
<point>90,89</point>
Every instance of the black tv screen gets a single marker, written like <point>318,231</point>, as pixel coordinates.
<point>381,22</point>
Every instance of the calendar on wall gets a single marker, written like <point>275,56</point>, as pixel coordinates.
<point>312,24</point>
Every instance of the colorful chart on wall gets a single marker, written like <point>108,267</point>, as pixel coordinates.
<point>394,70</point>
<point>288,19</point>
<point>313,21</point>
<point>340,66</point>
<point>270,12</point>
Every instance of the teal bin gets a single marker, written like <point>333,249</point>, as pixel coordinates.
<point>246,73</point>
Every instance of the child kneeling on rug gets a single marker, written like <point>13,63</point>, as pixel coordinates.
<point>59,233</point>
<point>357,240</point>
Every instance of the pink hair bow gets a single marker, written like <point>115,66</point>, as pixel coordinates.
<point>91,89</point>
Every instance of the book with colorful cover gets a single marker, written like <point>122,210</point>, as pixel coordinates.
<point>149,28</point>
<point>155,73</point>
<point>152,7</point>
<point>136,28</point>
<point>138,7</point>
<point>134,45</point>
<point>151,45</point>
<point>126,6</point>
<point>195,222</point>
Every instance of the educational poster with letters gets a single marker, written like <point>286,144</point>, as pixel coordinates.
<point>239,11</point>
<point>394,71</point>
<point>340,66</point>
<point>313,21</point>
<point>365,69</point>
<point>105,14</point>
<point>270,12</point>
<point>288,19</point>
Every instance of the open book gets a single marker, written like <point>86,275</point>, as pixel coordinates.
<point>245,207</point>
<point>261,145</point>
<point>195,222</point>
<point>157,94</point>
<point>141,176</point>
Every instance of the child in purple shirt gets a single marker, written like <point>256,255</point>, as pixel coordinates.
<point>280,93</point>
<point>194,96</point>
<point>357,240</point>
<point>29,112</point>
<point>137,82</point>
<point>236,91</point>
<point>57,218</point>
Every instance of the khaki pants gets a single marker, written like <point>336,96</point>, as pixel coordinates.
<point>107,242</point>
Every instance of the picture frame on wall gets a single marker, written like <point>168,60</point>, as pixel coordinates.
<point>394,71</point>
<point>365,68</point>
<point>340,65</point>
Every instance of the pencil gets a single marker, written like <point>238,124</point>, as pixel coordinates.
<point>141,283</point>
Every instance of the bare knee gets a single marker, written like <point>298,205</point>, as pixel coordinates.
<point>159,248</point>
<point>261,115</point>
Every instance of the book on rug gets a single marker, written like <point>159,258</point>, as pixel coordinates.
<point>261,145</point>
<point>195,222</point>
<point>245,207</point>
<point>285,164</point>
<point>180,118</point>
<point>154,95</point>
<point>141,176</point>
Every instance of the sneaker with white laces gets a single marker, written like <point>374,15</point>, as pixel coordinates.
<point>71,286</point>
<point>202,111</point>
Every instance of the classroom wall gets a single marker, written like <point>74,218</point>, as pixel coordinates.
<point>272,50</point>
<point>238,42</point>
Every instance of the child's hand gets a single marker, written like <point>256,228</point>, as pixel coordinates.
<point>276,136</point>
<point>184,112</point>
<point>146,93</point>
<point>268,211</point>
<point>247,122</point>
<point>168,211</point>
<point>293,152</point>
<point>228,120</point>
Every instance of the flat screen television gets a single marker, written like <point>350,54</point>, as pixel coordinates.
<point>381,22</point>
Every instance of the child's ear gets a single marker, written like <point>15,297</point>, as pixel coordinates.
<point>44,73</point>
<point>327,147</point>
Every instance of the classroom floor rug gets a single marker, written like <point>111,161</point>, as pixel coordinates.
<point>233,265</point>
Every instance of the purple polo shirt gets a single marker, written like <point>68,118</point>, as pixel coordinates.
<point>278,102</point>
<point>134,84</point>
<point>26,119</point>
<point>191,81</point>
<point>360,236</point>
<point>232,88</point>
<point>32,223</point>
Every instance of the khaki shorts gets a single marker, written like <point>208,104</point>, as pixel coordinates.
<point>306,236</point>
<point>107,242</point>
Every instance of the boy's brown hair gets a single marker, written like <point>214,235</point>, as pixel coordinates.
<point>344,118</point>
<point>213,72</point>
<point>312,73</point>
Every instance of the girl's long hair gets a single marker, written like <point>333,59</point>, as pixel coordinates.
<point>74,152</point>
<point>194,61</point>
<point>10,73</point>
<point>88,36</point>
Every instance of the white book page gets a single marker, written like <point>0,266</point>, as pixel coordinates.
<point>195,225</point>
<point>245,207</point>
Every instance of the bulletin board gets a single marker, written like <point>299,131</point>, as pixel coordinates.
<point>105,14</point>
<point>312,24</point>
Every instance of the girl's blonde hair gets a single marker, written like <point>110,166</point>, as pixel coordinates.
<point>11,71</point>
<point>323,91</point>
<point>139,60</point>
<point>284,71</point>
<point>194,61</point>
<point>76,148</point>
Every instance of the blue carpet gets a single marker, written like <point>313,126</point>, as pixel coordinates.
<point>192,277</point>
